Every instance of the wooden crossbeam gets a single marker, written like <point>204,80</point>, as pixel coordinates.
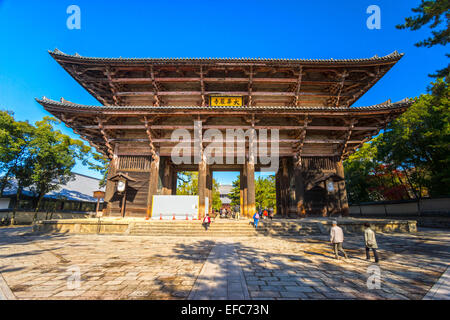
<point>236,93</point>
<point>244,127</point>
<point>287,141</point>
<point>216,79</point>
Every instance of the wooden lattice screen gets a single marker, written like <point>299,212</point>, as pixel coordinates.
<point>319,163</point>
<point>134,163</point>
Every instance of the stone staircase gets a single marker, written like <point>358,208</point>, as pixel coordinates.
<point>224,228</point>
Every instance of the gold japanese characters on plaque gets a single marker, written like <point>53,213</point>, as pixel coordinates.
<point>224,101</point>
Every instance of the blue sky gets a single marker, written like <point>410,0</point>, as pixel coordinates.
<point>268,29</point>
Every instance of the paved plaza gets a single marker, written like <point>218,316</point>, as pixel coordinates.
<point>412,266</point>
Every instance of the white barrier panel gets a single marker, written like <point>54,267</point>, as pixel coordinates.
<point>166,207</point>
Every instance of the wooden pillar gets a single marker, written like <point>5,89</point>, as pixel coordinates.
<point>325,207</point>
<point>342,191</point>
<point>174,178</point>
<point>251,197</point>
<point>250,164</point>
<point>299,190</point>
<point>277,192</point>
<point>284,188</point>
<point>202,168</point>
<point>111,185</point>
<point>243,180</point>
<point>241,194</point>
<point>152,183</point>
<point>166,181</point>
<point>209,189</point>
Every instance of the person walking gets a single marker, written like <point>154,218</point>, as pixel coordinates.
<point>256,219</point>
<point>206,222</point>
<point>337,238</point>
<point>237,212</point>
<point>370,242</point>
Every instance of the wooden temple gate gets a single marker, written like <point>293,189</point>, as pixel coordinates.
<point>304,105</point>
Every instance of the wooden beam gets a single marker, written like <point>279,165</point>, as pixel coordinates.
<point>230,93</point>
<point>221,80</point>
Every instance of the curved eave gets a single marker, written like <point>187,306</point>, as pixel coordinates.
<point>73,107</point>
<point>390,58</point>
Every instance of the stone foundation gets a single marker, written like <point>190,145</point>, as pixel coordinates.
<point>277,227</point>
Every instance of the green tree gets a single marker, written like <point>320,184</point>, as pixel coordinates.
<point>54,155</point>
<point>265,194</point>
<point>436,12</point>
<point>100,163</point>
<point>358,167</point>
<point>419,142</point>
<point>188,183</point>
<point>15,137</point>
<point>235,193</point>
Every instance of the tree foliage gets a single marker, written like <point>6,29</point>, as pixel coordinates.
<point>411,158</point>
<point>15,137</point>
<point>437,14</point>
<point>38,157</point>
<point>265,194</point>
<point>419,142</point>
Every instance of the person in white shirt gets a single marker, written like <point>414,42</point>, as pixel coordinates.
<point>337,238</point>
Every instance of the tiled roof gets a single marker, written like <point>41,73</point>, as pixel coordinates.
<point>69,105</point>
<point>81,188</point>
<point>394,56</point>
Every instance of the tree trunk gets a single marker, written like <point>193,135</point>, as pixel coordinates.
<point>37,207</point>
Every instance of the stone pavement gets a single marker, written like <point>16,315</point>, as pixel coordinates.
<point>441,290</point>
<point>221,276</point>
<point>145,267</point>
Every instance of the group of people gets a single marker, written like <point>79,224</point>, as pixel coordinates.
<point>226,213</point>
<point>336,234</point>
<point>337,239</point>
